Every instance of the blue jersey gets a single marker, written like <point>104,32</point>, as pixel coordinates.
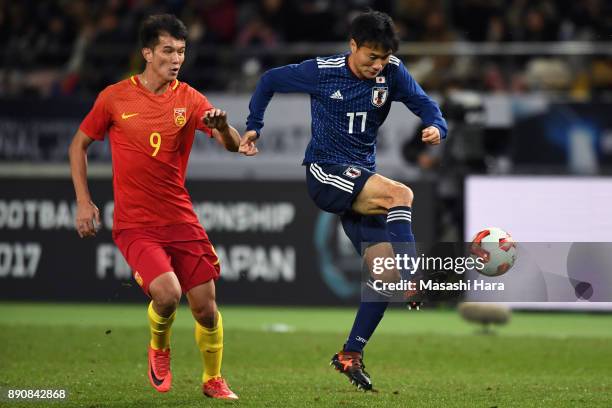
<point>346,111</point>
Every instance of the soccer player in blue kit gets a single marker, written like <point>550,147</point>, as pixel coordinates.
<point>351,95</point>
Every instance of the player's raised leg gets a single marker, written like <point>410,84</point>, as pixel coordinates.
<point>209,339</point>
<point>165,291</point>
<point>381,195</point>
<point>386,196</point>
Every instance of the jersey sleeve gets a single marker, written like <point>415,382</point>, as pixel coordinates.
<point>294,78</point>
<point>202,105</point>
<point>99,118</point>
<point>410,93</point>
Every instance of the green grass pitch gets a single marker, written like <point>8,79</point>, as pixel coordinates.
<point>416,359</point>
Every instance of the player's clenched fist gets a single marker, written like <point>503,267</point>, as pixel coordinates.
<point>215,119</point>
<point>87,217</point>
<point>247,143</point>
<point>431,135</point>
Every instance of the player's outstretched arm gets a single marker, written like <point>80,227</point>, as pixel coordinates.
<point>87,213</point>
<point>226,135</point>
<point>294,78</point>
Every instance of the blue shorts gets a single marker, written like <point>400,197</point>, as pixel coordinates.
<point>334,188</point>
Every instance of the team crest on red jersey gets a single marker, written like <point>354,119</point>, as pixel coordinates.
<point>180,116</point>
<point>379,95</point>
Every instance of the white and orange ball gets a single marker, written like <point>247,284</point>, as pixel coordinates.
<point>497,251</point>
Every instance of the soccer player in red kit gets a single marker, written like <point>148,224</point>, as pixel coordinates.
<point>151,119</point>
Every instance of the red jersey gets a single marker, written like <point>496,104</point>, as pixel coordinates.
<point>151,138</point>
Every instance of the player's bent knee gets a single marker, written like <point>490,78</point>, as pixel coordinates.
<point>167,299</point>
<point>401,195</point>
<point>205,314</point>
<point>165,290</point>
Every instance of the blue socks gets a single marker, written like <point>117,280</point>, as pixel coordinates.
<point>369,315</point>
<point>366,321</point>
<point>399,226</point>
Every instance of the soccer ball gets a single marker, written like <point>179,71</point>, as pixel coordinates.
<point>497,250</point>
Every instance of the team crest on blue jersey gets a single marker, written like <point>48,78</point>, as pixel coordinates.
<point>379,95</point>
<point>352,172</point>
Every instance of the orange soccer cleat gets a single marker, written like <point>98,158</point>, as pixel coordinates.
<point>218,388</point>
<point>350,363</point>
<point>159,369</point>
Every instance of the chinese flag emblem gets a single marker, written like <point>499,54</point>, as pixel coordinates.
<point>180,116</point>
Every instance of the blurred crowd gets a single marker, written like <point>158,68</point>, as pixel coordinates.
<point>66,47</point>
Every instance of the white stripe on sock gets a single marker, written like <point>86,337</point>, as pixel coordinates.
<point>400,212</point>
<point>399,218</point>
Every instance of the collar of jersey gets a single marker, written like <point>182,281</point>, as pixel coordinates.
<point>136,82</point>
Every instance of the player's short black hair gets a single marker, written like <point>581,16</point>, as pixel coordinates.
<point>375,28</point>
<point>155,25</point>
